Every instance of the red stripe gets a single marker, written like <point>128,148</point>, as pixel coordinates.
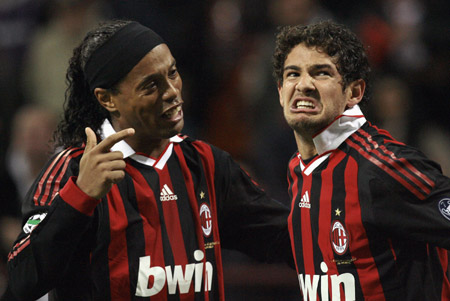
<point>194,204</point>
<point>61,174</point>
<point>395,165</point>
<point>388,170</point>
<point>292,164</point>
<point>19,247</point>
<point>325,215</point>
<point>117,249</point>
<point>207,158</point>
<point>369,277</point>
<point>307,241</point>
<point>59,160</point>
<point>50,168</point>
<point>414,177</point>
<point>392,250</point>
<point>149,212</point>
<point>411,167</point>
<point>443,257</point>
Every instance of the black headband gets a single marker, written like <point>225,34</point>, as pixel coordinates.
<point>118,55</point>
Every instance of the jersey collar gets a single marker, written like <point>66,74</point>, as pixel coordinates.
<point>107,130</point>
<point>340,129</point>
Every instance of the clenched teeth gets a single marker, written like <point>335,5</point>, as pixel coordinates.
<point>172,112</point>
<point>304,103</point>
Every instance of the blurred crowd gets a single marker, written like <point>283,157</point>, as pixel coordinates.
<point>223,50</point>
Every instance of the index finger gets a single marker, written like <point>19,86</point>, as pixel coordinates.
<point>109,141</point>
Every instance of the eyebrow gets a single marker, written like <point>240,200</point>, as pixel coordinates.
<point>150,77</point>
<point>291,67</point>
<point>314,67</point>
<point>321,66</point>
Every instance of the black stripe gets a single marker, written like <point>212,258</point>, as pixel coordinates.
<point>102,286</point>
<point>134,231</point>
<point>198,174</point>
<point>314,199</point>
<point>296,219</point>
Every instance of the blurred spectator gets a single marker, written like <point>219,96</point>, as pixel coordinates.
<point>434,141</point>
<point>244,116</point>
<point>18,18</point>
<point>30,148</point>
<point>52,46</point>
<point>391,108</point>
<point>31,145</point>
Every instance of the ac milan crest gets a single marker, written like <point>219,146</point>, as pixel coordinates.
<point>339,238</point>
<point>206,219</point>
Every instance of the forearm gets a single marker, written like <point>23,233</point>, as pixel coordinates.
<point>39,259</point>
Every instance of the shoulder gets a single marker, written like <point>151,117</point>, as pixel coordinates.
<point>66,156</point>
<point>378,154</point>
<point>202,148</point>
<point>379,147</point>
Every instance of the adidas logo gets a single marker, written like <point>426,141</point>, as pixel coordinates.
<point>167,194</point>
<point>304,201</point>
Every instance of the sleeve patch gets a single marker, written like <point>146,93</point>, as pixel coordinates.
<point>444,208</point>
<point>33,221</point>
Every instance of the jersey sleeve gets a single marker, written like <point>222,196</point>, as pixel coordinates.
<point>410,197</point>
<point>250,221</point>
<point>56,216</point>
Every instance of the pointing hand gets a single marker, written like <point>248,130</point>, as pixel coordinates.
<point>99,167</point>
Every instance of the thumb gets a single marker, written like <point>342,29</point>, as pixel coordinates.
<point>91,139</point>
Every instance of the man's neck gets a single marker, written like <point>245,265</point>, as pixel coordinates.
<point>305,146</point>
<point>144,145</point>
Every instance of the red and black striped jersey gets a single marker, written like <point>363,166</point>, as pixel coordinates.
<point>157,235</point>
<point>370,217</point>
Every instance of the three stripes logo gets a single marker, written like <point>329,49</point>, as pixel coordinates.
<point>167,194</point>
<point>304,201</point>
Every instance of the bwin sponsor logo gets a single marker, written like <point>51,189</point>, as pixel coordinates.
<point>174,277</point>
<point>167,194</point>
<point>309,286</point>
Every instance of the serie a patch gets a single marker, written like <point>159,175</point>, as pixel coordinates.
<point>33,221</point>
<point>444,208</point>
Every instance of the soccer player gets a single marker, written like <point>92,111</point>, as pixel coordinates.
<point>130,209</point>
<point>370,216</point>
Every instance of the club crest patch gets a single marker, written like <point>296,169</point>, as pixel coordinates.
<point>339,238</point>
<point>206,219</point>
<point>33,221</point>
<point>444,208</point>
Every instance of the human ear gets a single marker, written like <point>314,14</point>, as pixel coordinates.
<point>104,98</point>
<point>280,88</point>
<point>355,92</point>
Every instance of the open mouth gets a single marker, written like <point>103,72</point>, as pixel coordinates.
<point>169,114</point>
<point>304,104</point>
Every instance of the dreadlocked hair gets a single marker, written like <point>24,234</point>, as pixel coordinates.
<point>81,108</point>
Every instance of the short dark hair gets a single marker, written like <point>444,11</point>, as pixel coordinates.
<point>332,38</point>
<point>81,108</point>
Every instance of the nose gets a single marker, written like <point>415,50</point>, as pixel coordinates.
<point>170,92</point>
<point>305,83</point>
